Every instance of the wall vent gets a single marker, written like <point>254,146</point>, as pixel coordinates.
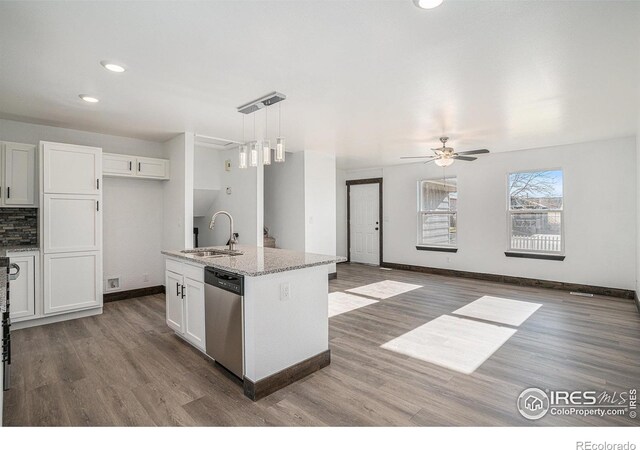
<point>112,284</point>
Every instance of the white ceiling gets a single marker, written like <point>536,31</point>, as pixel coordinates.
<point>370,80</point>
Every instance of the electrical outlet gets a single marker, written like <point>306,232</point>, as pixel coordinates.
<point>285,292</point>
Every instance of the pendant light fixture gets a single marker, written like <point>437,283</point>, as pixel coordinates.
<point>253,149</point>
<point>280,147</point>
<point>266,146</point>
<point>242,157</point>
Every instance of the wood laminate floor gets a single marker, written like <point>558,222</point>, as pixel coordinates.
<point>125,367</point>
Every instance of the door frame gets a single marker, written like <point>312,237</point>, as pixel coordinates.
<point>364,181</point>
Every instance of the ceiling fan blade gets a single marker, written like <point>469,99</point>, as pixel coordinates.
<point>432,159</point>
<point>464,158</point>
<point>474,152</point>
<point>415,157</point>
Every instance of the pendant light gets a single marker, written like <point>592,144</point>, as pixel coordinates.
<point>280,146</point>
<point>253,147</point>
<point>266,145</point>
<point>242,157</point>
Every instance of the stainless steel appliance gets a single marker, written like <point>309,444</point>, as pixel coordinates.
<point>5,309</point>
<point>223,298</point>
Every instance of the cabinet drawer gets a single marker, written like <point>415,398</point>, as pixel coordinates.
<point>196,273</point>
<point>174,266</point>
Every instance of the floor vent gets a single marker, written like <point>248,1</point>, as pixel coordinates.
<point>581,294</point>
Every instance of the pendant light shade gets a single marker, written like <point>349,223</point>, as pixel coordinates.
<point>266,152</point>
<point>280,150</point>
<point>242,157</point>
<point>253,153</point>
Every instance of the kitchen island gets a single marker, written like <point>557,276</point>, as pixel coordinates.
<point>284,309</point>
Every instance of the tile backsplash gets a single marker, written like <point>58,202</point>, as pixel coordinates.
<point>18,226</point>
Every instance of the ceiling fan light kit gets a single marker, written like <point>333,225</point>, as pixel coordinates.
<point>445,156</point>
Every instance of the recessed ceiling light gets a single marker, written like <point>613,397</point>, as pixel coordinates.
<point>427,4</point>
<point>113,67</point>
<point>88,98</point>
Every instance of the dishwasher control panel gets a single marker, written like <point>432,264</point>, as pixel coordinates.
<point>224,280</point>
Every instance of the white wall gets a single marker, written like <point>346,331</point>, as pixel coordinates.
<point>242,203</point>
<point>600,225</point>
<point>132,217</point>
<point>320,203</point>
<point>173,236</point>
<point>638,209</point>
<point>132,232</point>
<point>284,197</point>
<point>341,213</point>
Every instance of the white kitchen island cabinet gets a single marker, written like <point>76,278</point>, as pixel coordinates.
<point>184,292</point>
<point>285,325</point>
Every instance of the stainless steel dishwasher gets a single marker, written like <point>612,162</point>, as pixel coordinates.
<point>223,318</point>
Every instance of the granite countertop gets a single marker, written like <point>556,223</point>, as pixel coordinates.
<point>256,261</point>
<point>18,248</point>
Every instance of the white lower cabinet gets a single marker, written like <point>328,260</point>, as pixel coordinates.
<point>194,312</point>
<point>72,281</point>
<point>22,291</point>
<point>174,309</point>
<point>185,301</point>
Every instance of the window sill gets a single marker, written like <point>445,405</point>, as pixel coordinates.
<point>546,256</point>
<point>429,248</point>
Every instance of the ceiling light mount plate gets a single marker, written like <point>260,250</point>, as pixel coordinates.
<point>262,102</point>
<point>427,4</point>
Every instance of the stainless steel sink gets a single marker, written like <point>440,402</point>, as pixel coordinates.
<point>215,253</point>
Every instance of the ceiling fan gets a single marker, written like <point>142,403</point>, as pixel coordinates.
<point>445,156</point>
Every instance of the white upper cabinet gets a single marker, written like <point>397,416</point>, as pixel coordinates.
<point>115,165</point>
<point>19,174</point>
<point>153,168</point>
<point>71,169</point>
<point>118,165</point>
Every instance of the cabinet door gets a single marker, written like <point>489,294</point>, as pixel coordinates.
<point>72,281</point>
<point>174,310</point>
<point>118,165</point>
<point>152,168</point>
<point>22,290</point>
<point>20,174</point>
<point>71,223</point>
<point>194,313</point>
<point>71,169</point>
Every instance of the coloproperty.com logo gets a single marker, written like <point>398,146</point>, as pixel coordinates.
<point>535,403</point>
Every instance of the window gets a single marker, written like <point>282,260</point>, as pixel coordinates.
<point>437,214</point>
<point>536,212</point>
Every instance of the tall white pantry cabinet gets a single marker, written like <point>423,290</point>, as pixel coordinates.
<point>71,227</point>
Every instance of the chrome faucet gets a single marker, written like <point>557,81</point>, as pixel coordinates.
<point>232,239</point>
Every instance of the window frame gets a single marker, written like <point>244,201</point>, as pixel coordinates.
<point>510,213</point>
<point>421,212</point>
